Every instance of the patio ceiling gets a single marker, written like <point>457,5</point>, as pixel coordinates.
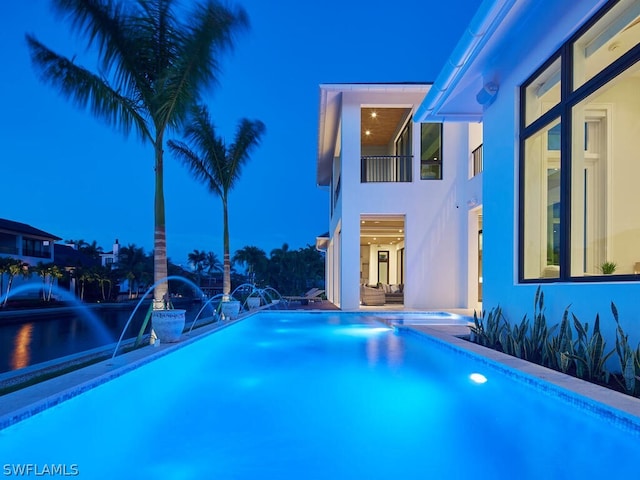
<point>382,124</point>
<point>381,229</point>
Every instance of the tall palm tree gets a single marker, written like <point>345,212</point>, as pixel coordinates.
<point>253,258</point>
<point>197,259</point>
<point>213,264</point>
<point>217,165</point>
<point>132,263</point>
<point>153,67</point>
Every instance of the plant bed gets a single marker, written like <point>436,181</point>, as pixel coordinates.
<point>568,347</point>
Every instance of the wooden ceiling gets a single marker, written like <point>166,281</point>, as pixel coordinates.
<point>383,126</point>
<point>381,229</point>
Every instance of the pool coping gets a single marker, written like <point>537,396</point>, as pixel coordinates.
<point>614,406</point>
<point>24,403</point>
<point>621,409</point>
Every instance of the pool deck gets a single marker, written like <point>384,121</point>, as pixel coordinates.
<point>28,401</point>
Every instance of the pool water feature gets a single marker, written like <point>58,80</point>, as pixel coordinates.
<point>316,396</point>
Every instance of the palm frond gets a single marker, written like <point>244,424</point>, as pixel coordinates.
<point>86,89</point>
<point>197,57</point>
<point>199,167</point>
<point>248,136</point>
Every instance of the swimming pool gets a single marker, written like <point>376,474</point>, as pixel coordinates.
<point>319,396</point>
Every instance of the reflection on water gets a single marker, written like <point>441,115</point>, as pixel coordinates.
<point>21,352</point>
<point>388,348</point>
<point>49,335</point>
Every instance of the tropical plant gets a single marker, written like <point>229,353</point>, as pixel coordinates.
<point>84,276</point>
<point>628,357</point>
<point>197,260</point>
<point>14,267</point>
<point>212,264</point>
<point>104,276</point>
<point>133,265</point>
<point>560,346</point>
<point>488,328</point>
<point>254,259</point>
<point>217,165</point>
<point>589,352</point>
<point>608,268</point>
<point>153,66</point>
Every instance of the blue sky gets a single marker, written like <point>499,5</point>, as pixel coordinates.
<point>67,173</point>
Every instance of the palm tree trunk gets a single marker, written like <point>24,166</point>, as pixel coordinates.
<point>160,270</point>
<point>226,273</point>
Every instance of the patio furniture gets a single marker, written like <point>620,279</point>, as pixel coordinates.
<point>371,295</point>
<point>313,295</point>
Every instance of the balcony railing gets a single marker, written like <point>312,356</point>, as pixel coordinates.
<point>476,161</point>
<point>385,168</point>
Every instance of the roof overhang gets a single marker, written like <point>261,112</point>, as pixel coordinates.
<point>499,33</point>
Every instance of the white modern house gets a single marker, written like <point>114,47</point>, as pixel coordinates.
<point>556,85</point>
<point>27,244</point>
<point>406,200</point>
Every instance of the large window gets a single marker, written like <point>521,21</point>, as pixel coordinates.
<point>580,163</point>
<point>431,151</point>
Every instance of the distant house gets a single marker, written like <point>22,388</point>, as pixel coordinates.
<point>405,200</point>
<point>110,259</point>
<point>26,243</point>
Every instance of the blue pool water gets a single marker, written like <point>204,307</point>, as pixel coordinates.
<point>286,395</point>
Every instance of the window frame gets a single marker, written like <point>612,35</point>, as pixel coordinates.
<point>438,162</point>
<point>569,98</point>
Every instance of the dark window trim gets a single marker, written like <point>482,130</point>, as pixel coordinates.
<point>563,111</point>
<point>439,162</point>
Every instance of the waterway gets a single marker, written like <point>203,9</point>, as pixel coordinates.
<point>41,336</point>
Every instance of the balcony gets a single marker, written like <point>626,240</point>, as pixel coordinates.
<point>385,168</point>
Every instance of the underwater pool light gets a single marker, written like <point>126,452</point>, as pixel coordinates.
<point>478,378</point>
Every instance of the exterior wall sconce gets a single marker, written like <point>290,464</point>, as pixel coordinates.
<point>488,94</point>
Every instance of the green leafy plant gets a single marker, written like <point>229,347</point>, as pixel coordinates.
<point>629,358</point>
<point>607,268</point>
<point>559,348</point>
<point>589,352</point>
<point>487,330</point>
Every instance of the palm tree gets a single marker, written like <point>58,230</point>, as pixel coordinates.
<point>153,68</point>
<point>253,258</point>
<point>197,259</point>
<point>14,267</point>
<point>213,264</point>
<point>132,264</point>
<point>216,165</point>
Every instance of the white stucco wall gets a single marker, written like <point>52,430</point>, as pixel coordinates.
<point>500,200</point>
<point>435,211</point>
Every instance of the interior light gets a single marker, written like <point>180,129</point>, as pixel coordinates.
<point>478,378</point>
<point>368,132</point>
<point>374,114</point>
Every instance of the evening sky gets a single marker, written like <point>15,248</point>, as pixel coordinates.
<point>66,172</point>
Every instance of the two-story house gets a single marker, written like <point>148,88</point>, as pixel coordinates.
<point>406,199</point>
<point>25,243</point>
<point>557,88</point>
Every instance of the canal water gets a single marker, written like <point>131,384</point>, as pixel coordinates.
<point>41,336</point>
